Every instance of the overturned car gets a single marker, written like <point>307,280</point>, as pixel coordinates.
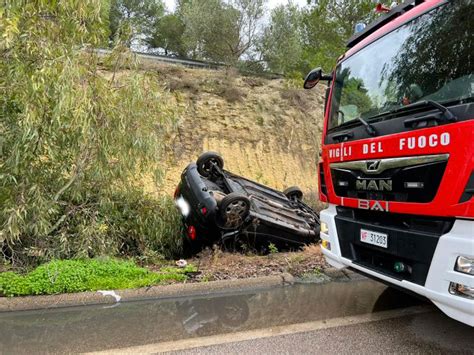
<point>220,207</point>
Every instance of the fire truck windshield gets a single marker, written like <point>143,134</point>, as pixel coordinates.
<point>428,58</point>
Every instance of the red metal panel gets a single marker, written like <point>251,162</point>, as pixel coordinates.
<point>456,139</point>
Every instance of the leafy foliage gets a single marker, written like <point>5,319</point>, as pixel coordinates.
<point>73,139</point>
<point>211,29</point>
<point>168,34</point>
<point>272,248</point>
<point>220,31</point>
<point>248,22</point>
<point>231,31</point>
<point>299,39</point>
<point>328,24</point>
<point>66,276</point>
<point>281,45</point>
<point>134,19</point>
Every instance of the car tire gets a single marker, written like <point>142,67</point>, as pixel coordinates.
<point>206,160</point>
<point>234,209</point>
<point>233,312</point>
<point>293,193</point>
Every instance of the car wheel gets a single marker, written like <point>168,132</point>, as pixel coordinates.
<point>232,312</point>
<point>206,161</point>
<point>234,209</point>
<point>293,193</point>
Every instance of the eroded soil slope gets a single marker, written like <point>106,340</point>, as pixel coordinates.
<point>266,130</point>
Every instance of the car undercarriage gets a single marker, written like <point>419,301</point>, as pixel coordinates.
<point>220,207</point>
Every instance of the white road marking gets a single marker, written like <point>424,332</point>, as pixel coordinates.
<point>267,332</point>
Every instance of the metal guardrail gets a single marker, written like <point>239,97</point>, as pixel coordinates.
<point>171,60</point>
<point>192,63</point>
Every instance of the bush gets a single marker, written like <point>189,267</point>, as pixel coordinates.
<point>185,84</point>
<point>253,81</point>
<point>126,223</point>
<point>145,224</point>
<point>66,276</point>
<point>296,97</point>
<point>73,139</point>
<point>232,94</point>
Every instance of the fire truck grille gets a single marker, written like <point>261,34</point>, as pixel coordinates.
<point>407,179</point>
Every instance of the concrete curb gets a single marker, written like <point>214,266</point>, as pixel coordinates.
<point>8,304</point>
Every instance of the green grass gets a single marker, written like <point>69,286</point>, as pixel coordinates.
<point>66,276</point>
<point>272,248</point>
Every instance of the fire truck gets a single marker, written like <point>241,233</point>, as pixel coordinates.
<point>397,158</point>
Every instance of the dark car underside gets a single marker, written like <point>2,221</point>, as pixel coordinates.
<point>220,207</point>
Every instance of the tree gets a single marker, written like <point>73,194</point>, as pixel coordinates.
<point>72,140</point>
<point>218,30</point>
<point>250,14</point>
<point>168,35</point>
<point>328,24</point>
<point>134,19</point>
<point>210,28</point>
<point>281,44</point>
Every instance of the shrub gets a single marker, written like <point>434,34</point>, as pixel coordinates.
<point>185,84</point>
<point>142,223</point>
<point>272,248</point>
<point>65,276</point>
<point>73,139</point>
<point>296,97</point>
<point>231,94</point>
<point>253,81</point>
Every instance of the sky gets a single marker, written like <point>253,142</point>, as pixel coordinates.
<point>170,4</point>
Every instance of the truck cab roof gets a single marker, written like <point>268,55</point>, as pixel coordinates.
<point>388,22</point>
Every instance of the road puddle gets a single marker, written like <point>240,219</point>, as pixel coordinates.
<point>92,328</point>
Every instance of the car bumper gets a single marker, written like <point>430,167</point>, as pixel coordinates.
<point>458,241</point>
<point>196,206</point>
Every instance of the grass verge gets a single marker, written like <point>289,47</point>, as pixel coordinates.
<point>66,276</point>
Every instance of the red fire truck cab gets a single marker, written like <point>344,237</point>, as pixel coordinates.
<point>397,161</point>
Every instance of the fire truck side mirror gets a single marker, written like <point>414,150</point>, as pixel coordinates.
<point>313,78</point>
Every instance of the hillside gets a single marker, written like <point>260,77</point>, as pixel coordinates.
<point>265,129</point>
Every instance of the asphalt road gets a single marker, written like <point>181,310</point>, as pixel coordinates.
<point>359,316</point>
<point>422,333</point>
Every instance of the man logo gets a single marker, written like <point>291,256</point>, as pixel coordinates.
<point>373,165</point>
<point>374,185</point>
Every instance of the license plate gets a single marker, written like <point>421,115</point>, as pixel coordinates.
<point>374,238</point>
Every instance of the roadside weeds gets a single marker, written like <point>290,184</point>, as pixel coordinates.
<point>215,264</point>
<point>217,272</point>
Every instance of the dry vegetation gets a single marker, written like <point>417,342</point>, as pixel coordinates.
<point>214,264</point>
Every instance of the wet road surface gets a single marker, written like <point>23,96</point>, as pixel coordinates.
<point>360,315</point>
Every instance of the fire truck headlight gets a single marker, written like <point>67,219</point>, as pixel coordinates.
<point>463,264</point>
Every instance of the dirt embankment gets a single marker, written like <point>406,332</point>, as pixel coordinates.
<point>215,264</point>
<point>266,130</point>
